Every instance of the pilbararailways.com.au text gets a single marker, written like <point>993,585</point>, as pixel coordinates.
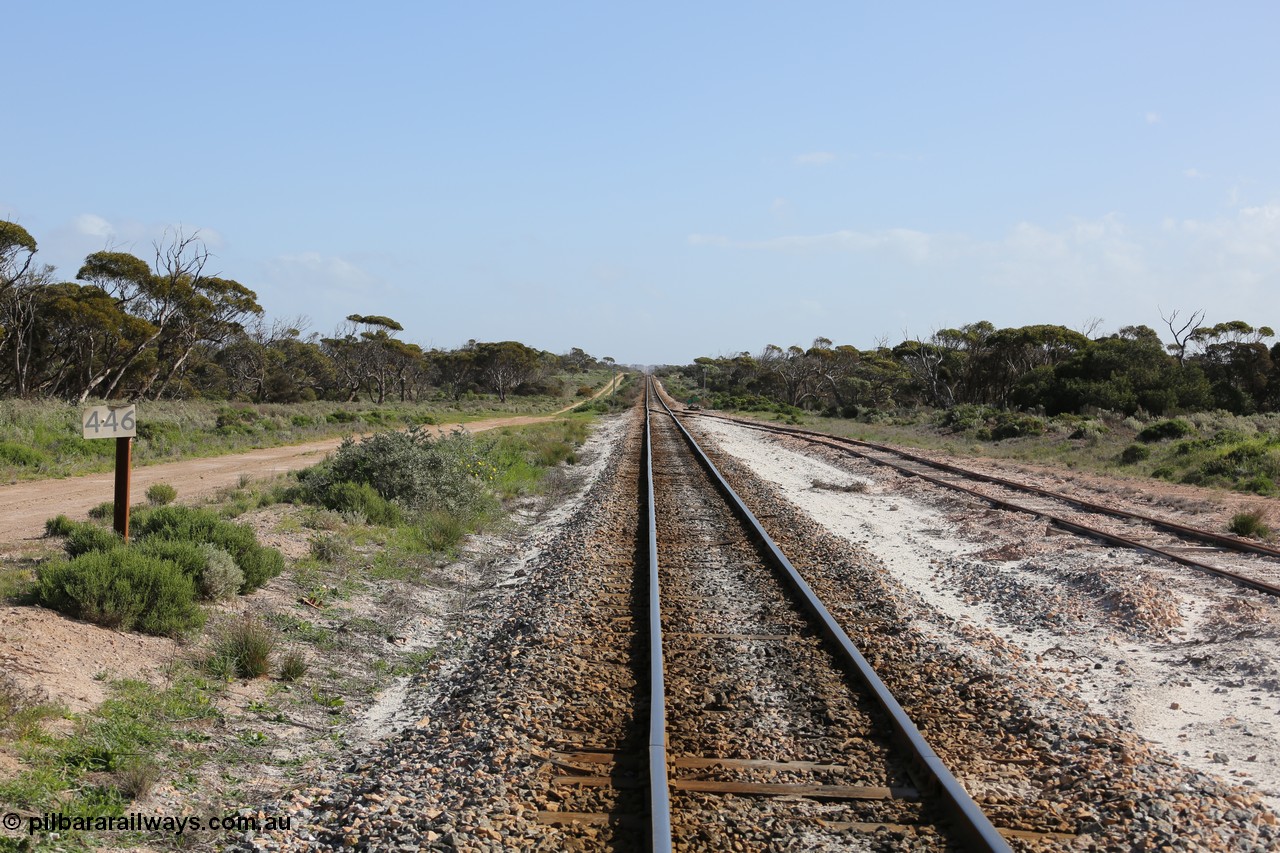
<point>134,822</point>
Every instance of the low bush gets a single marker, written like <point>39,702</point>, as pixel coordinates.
<point>410,469</point>
<point>441,531</point>
<point>1015,425</point>
<point>221,578</point>
<point>328,548</point>
<point>122,588</point>
<point>160,494</point>
<point>965,417</point>
<point>362,498</point>
<point>293,665</point>
<point>59,525</point>
<point>189,524</point>
<point>1165,430</point>
<point>85,537</point>
<point>1134,453</point>
<point>1251,523</point>
<point>19,454</point>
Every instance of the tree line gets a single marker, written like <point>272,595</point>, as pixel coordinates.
<point>168,327</point>
<point>1048,368</point>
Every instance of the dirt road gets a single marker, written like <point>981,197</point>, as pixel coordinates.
<point>24,507</point>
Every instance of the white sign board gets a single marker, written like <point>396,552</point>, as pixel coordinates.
<point>110,421</point>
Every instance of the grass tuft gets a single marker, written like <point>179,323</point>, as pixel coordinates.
<point>1250,524</point>
<point>247,645</point>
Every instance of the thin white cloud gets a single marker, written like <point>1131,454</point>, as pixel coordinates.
<point>815,158</point>
<point>916,245</point>
<point>92,225</point>
<point>314,269</point>
<point>1194,174</point>
<point>1152,118</point>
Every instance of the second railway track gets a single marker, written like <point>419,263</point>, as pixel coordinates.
<point>1253,565</point>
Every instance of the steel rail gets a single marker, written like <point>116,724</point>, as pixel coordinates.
<point>970,822</point>
<point>850,445</point>
<point>659,787</point>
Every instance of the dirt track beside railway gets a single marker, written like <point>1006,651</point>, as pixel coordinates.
<point>24,507</point>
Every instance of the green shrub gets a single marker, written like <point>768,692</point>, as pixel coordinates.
<point>414,469</point>
<point>85,537</point>
<point>258,564</point>
<point>19,454</point>
<point>1164,430</point>
<point>221,578</point>
<point>328,548</point>
<point>59,525</point>
<point>247,643</point>
<point>1134,453</point>
<point>122,589</point>
<point>103,511</point>
<point>187,556</point>
<point>160,494</point>
<point>1016,425</point>
<point>965,417</point>
<point>362,498</point>
<point>441,531</point>
<point>322,519</point>
<point>1251,523</point>
<point>1260,484</point>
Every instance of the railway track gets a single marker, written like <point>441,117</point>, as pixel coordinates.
<point>762,685</point>
<point>1248,564</point>
<point>557,734</point>
<point>762,720</point>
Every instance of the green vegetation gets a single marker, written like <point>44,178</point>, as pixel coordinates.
<point>245,647</point>
<point>152,584</point>
<point>160,494</point>
<point>1224,451</point>
<point>44,436</point>
<point>122,588</point>
<point>112,754</point>
<point>1041,393</point>
<point>1251,523</point>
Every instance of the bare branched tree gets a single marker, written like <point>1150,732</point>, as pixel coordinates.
<point>1183,334</point>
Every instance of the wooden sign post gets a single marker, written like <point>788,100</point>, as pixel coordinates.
<point>120,423</point>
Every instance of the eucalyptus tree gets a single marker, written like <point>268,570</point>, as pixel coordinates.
<point>506,365</point>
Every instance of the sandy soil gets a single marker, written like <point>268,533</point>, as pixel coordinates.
<point>24,507</point>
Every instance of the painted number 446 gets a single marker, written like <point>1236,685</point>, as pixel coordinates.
<point>109,422</point>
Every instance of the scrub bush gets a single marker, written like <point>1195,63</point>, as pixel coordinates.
<point>189,524</point>
<point>160,494</point>
<point>123,589</point>
<point>1250,523</point>
<point>1134,453</point>
<point>1165,430</point>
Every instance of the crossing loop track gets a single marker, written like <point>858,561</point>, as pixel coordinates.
<point>916,465</point>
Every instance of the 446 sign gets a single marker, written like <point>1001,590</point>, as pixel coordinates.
<point>110,421</point>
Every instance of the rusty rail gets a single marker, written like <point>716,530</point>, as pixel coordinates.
<point>852,445</point>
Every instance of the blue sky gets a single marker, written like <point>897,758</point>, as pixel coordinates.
<point>660,181</point>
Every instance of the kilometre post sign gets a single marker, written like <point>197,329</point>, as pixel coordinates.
<point>120,423</point>
<point>110,421</point>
